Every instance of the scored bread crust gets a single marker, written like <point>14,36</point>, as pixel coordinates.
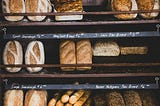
<point>124,5</point>
<point>37,6</point>
<point>36,98</point>
<point>13,54</point>
<point>35,55</point>
<point>84,53</point>
<point>13,6</point>
<point>67,54</point>
<point>148,5</point>
<point>13,98</point>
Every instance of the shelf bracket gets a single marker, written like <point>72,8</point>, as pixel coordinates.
<point>4,29</point>
<point>158,27</point>
<point>5,81</point>
<point>157,80</point>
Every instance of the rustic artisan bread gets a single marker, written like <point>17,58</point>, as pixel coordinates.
<point>13,55</point>
<point>124,5</point>
<point>36,98</point>
<point>13,98</point>
<point>108,48</point>
<point>84,53</point>
<point>134,50</point>
<point>34,55</point>
<point>115,98</point>
<point>37,6</point>
<point>68,6</point>
<point>13,6</point>
<point>132,98</point>
<point>67,54</point>
<point>148,5</point>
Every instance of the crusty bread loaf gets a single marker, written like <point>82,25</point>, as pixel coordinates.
<point>13,6</point>
<point>75,97</point>
<point>148,5</point>
<point>115,99</point>
<point>132,98</point>
<point>88,102</point>
<point>133,50</point>
<point>13,55</point>
<point>84,53</point>
<point>54,100</point>
<point>13,98</point>
<point>37,6</point>
<point>34,55</point>
<point>36,98</point>
<point>108,48</point>
<point>67,54</point>
<point>124,5</point>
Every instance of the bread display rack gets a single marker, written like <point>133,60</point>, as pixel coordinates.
<point>123,72</point>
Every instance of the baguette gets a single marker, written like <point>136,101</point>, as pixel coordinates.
<point>65,97</point>
<point>13,6</point>
<point>68,104</point>
<point>67,54</point>
<point>83,99</point>
<point>53,101</point>
<point>13,98</point>
<point>75,97</point>
<point>133,50</point>
<point>13,54</point>
<point>34,55</point>
<point>88,102</point>
<point>59,103</point>
<point>84,53</point>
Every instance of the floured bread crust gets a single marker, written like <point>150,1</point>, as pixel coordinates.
<point>34,55</point>
<point>13,6</point>
<point>67,54</point>
<point>36,98</point>
<point>148,5</point>
<point>37,6</point>
<point>13,55</point>
<point>13,98</point>
<point>124,5</point>
<point>84,53</point>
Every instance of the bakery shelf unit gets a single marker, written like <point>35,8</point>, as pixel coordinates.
<point>136,72</point>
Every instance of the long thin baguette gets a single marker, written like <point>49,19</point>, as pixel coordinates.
<point>134,50</point>
<point>88,102</point>
<point>75,97</point>
<point>83,99</point>
<point>55,98</point>
<point>59,103</point>
<point>65,97</point>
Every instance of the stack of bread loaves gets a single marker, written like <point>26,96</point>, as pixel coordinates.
<point>27,6</point>
<point>79,53</point>
<point>13,54</point>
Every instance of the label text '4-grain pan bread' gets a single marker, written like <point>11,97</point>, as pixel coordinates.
<point>13,54</point>
<point>148,5</point>
<point>34,55</point>
<point>36,98</point>
<point>13,98</point>
<point>37,6</point>
<point>67,54</point>
<point>124,5</point>
<point>13,6</point>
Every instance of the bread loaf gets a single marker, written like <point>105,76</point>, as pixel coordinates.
<point>13,55</point>
<point>108,48</point>
<point>148,5</point>
<point>84,53</point>
<point>124,5</point>
<point>67,54</point>
<point>13,98</point>
<point>13,6</point>
<point>36,98</point>
<point>115,99</point>
<point>133,50</point>
<point>54,100</point>
<point>88,102</point>
<point>132,98</point>
<point>65,97</point>
<point>68,6</point>
<point>75,97</point>
<point>34,55</point>
<point>37,6</point>
<point>59,103</point>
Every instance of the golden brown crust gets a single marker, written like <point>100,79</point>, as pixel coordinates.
<point>122,5</point>
<point>84,53</point>
<point>134,50</point>
<point>36,98</point>
<point>13,97</point>
<point>132,98</point>
<point>32,6</point>
<point>15,6</point>
<point>67,54</point>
